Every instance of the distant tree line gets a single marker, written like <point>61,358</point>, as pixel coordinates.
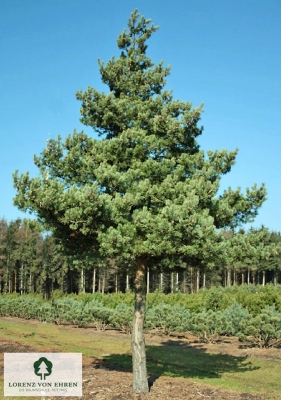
<point>32,262</point>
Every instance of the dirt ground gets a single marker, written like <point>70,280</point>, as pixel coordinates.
<point>102,381</point>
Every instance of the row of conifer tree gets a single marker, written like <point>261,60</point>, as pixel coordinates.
<point>32,262</point>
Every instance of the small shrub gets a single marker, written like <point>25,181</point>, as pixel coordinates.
<point>208,325</point>
<point>166,319</point>
<point>236,318</point>
<point>217,299</point>
<point>122,317</point>
<point>45,313</point>
<point>264,330</point>
<point>100,315</point>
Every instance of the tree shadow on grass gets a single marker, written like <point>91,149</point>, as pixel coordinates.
<point>179,359</point>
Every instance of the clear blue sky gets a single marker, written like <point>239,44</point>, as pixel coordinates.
<point>225,54</point>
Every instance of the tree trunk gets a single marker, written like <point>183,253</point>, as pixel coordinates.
<point>10,282</point>
<point>21,280</point>
<point>103,281</point>
<point>161,282</point>
<point>204,279</point>
<point>94,280</point>
<point>82,281</point>
<point>184,284</point>
<point>263,278</point>
<point>228,279</point>
<point>248,277</point>
<point>243,277</point>
<point>127,283</point>
<point>172,282</point>
<point>31,289</point>
<point>275,277</point>
<point>147,281</point>
<point>197,280</point>
<point>6,275</point>
<point>177,281</point>
<point>15,282</point>
<point>140,382</point>
<point>191,280</point>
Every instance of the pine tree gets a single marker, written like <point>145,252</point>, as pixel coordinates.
<point>251,251</point>
<point>144,193</point>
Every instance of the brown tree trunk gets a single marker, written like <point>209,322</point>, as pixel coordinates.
<point>140,382</point>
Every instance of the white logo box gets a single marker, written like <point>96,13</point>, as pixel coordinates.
<point>42,374</point>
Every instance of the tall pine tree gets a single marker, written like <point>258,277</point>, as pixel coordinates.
<point>144,193</point>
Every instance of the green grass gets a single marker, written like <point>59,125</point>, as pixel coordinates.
<point>174,359</point>
<point>49,336</point>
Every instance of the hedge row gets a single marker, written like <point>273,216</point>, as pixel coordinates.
<point>217,318</point>
<point>253,297</point>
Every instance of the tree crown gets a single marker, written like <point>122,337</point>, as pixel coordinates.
<point>146,189</point>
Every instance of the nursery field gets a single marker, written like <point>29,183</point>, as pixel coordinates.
<point>250,313</point>
<point>179,366</point>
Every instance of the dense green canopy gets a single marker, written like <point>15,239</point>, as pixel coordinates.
<point>145,189</point>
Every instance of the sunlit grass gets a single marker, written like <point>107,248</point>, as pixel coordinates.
<point>49,336</point>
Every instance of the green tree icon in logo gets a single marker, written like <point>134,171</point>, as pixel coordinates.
<point>43,367</point>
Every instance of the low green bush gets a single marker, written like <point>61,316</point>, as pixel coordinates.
<point>166,319</point>
<point>264,330</point>
<point>236,319</point>
<point>208,325</point>
<point>100,315</point>
<point>122,317</point>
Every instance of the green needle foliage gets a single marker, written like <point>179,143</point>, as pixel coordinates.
<point>145,192</point>
<point>166,319</point>
<point>265,329</point>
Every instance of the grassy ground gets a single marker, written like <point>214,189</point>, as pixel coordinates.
<point>169,358</point>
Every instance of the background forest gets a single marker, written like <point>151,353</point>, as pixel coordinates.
<point>31,261</point>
